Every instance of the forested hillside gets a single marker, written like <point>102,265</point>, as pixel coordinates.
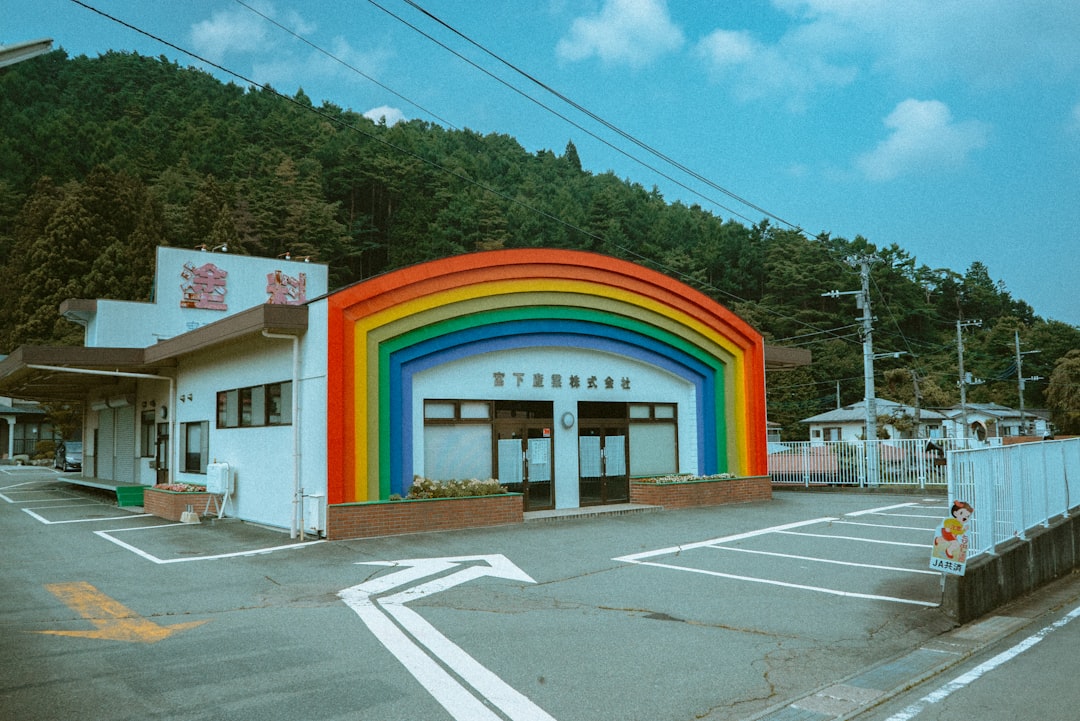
<point>102,160</point>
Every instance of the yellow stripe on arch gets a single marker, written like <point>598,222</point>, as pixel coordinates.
<point>369,331</point>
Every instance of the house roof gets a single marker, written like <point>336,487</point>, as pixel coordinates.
<point>856,413</point>
<point>9,410</point>
<point>994,410</point>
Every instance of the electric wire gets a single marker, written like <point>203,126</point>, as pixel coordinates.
<point>336,59</point>
<point>611,126</point>
<point>556,113</point>
<point>832,333</point>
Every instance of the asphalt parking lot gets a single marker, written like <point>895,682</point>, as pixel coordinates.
<point>733,612</point>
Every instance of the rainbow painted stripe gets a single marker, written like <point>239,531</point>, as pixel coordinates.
<point>384,330</point>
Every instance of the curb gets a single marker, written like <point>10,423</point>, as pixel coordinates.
<point>848,698</point>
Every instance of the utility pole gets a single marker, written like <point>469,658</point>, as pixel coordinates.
<point>964,379</point>
<point>862,299</point>
<point>918,403</point>
<point>1020,379</point>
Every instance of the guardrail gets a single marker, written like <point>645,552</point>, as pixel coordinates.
<point>908,462</point>
<point>1014,488</point>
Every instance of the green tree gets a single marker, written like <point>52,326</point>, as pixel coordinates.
<point>1063,393</point>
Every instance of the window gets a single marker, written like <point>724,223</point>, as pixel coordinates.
<point>254,406</point>
<point>27,435</point>
<point>457,439</point>
<point>148,434</point>
<point>654,439</point>
<point>458,411</point>
<point>834,434</point>
<point>195,446</point>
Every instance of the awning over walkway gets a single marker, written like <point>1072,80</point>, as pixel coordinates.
<point>37,373</point>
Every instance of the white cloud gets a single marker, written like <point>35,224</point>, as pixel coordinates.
<point>929,45</point>
<point>633,32</point>
<point>924,137</point>
<point>230,31</point>
<point>986,43</point>
<point>384,113</point>
<point>755,70</point>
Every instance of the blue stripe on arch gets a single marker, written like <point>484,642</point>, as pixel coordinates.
<point>402,365</point>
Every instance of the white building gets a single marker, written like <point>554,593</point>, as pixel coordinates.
<point>896,420</point>
<point>560,373</point>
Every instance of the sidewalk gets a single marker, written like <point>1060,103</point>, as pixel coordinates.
<point>851,697</point>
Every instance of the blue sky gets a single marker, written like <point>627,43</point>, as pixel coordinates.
<point>948,127</point>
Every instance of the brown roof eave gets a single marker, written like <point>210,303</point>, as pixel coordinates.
<point>278,319</point>
<point>36,373</point>
<point>782,358</point>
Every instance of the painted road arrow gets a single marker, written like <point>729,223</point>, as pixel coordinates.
<point>393,624</point>
<point>113,620</point>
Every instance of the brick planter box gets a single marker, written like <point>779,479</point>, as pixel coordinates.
<point>708,492</point>
<point>170,504</point>
<point>392,518</point>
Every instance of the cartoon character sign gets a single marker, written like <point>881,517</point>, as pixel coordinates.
<point>951,541</point>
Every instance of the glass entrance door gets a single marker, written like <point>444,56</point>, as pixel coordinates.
<point>523,451</point>
<point>525,463</point>
<point>602,454</point>
<point>161,453</point>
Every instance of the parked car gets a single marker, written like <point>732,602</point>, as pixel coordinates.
<point>68,456</point>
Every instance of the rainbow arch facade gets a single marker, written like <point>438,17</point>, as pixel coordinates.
<point>385,333</point>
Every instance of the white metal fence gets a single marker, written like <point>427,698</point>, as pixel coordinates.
<point>1014,488</point>
<point>917,462</point>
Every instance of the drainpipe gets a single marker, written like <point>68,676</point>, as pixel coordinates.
<point>297,528</point>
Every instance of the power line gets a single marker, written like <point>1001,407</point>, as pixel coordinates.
<point>556,113</point>
<point>577,106</point>
<point>336,59</point>
<point>459,176</point>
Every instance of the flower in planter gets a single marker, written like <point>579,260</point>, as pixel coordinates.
<point>685,478</point>
<point>427,488</point>
<point>181,487</point>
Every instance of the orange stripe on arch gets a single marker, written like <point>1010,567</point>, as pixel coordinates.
<point>355,310</point>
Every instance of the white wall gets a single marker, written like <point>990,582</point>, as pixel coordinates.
<point>261,458</point>
<point>127,324</point>
<point>473,379</point>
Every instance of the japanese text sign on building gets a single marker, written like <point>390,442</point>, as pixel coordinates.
<point>519,379</point>
<point>951,541</point>
<point>203,287</point>
<point>285,290</point>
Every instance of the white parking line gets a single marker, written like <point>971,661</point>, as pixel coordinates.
<point>785,584</point>
<point>870,511</point>
<point>165,561</point>
<point>636,557</point>
<point>47,522</point>
<point>828,560</point>
<point>720,544</point>
<point>856,539</point>
<point>882,525</point>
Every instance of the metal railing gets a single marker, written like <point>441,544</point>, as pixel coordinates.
<point>1014,488</point>
<point>910,462</point>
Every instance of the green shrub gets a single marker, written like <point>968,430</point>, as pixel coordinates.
<point>45,449</point>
